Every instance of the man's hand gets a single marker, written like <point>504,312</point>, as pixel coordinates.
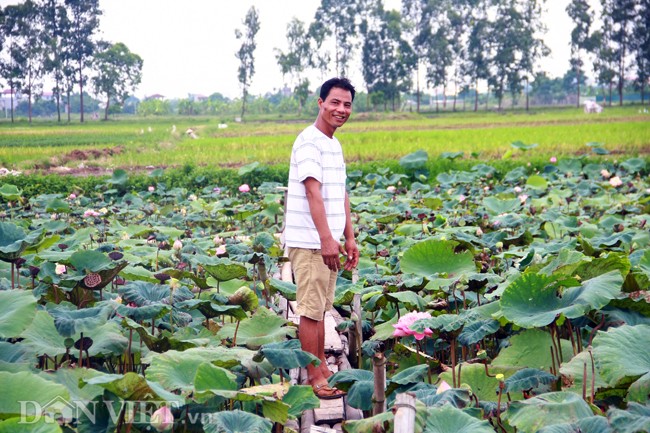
<point>351,251</point>
<point>330,249</point>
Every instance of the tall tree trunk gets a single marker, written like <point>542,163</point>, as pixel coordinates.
<point>417,79</point>
<point>81,93</point>
<point>108,100</point>
<point>12,103</point>
<point>476,95</point>
<point>578,74</point>
<point>68,106</point>
<point>611,85</point>
<point>527,95</point>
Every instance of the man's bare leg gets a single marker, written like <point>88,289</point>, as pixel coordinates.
<point>312,339</point>
<point>321,354</point>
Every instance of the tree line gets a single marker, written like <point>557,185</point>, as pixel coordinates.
<point>458,46</point>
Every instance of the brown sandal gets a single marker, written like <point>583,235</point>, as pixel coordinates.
<point>326,392</point>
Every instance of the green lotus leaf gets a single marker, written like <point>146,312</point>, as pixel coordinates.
<point>369,425</point>
<point>537,182</point>
<point>523,146</point>
<point>448,419</point>
<point>74,379</point>
<point>415,160</point>
<point>358,383</point>
<point>476,331</point>
<point>533,300</point>
<point>90,261</point>
<point>236,421</point>
<point>286,354</point>
<point>451,155</point>
<point>10,192</point>
<point>644,263</point>
<point>286,288</point>
<point>528,378</point>
<point>69,322</point>
<point>529,416</point>
<point>57,205</point>
<point>497,206</point>
<point>30,424</point>
<point>633,420</point>
<point>160,343</point>
<point>14,240</point>
<point>443,322</point>
<point>145,312</point>
<point>119,177</point>
<point>593,424</point>
<point>456,397</point>
<point>300,398</point>
<point>27,387</point>
<point>17,312</point>
<point>639,391</point>
<point>621,353</point>
<point>130,386</point>
<point>248,168</point>
<point>143,293</point>
<point>212,380</point>
<point>211,309</point>
<point>225,270</point>
<point>107,340</point>
<point>531,349</point>
<point>573,374</point>
<point>407,299</point>
<point>262,328</point>
<point>245,298</point>
<point>138,273</point>
<point>433,257</point>
<point>482,385</point>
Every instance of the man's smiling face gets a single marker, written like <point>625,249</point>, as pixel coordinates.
<point>334,110</point>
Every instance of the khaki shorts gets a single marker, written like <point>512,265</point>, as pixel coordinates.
<point>315,283</point>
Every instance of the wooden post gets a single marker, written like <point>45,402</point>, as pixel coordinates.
<point>379,396</point>
<point>358,329</point>
<point>405,413</point>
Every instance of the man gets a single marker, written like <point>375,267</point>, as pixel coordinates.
<point>317,216</point>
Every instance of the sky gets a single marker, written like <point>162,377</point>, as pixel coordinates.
<point>189,46</point>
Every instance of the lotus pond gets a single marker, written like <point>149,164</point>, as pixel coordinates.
<point>530,288</point>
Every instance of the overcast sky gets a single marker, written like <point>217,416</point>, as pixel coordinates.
<point>189,46</point>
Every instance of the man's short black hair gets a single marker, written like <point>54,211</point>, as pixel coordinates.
<point>340,82</point>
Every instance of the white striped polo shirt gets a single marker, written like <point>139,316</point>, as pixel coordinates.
<point>314,155</point>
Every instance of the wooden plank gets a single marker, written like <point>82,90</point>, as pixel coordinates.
<point>321,429</point>
<point>332,337</point>
<point>306,421</point>
<point>330,411</point>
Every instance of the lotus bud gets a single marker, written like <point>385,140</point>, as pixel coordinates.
<point>444,386</point>
<point>245,298</point>
<point>244,188</point>
<point>499,245</point>
<point>500,377</point>
<point>178,245</point>
<point>217,240</point>
<point>60,269</point>
<point>151,188</point>
<point>72,196</point>
<point>162,419</point>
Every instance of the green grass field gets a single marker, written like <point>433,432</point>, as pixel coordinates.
<point>141,142</point>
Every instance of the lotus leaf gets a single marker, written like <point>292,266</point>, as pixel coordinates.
<point>212,380</point>
<point>573,374</point>
<point>433,257</point>
<point>286,288</point>
<point>496,206</point>
<point>27,387</point>
<point>286,354</point>
<point>359,385</point>
<point>531,349</point>
<point>621,353</point>
<point>69,322</point>
<point>211,309</point>
<point>262,328</point>
<point>474,376</point>
<point>535,300</point>
<point>476,331</point>
<point>633,420</point>
<point>594,424</point>
<point>161,343</point>
<point>529,416</point>
<point>10,192</point>
<point>448,419</point>
<point>19,309</point>
<point>14,240</point>
<point>225,270</point>
<point>236,421</point>
<point>527,379</point>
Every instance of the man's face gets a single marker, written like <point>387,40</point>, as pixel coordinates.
<point>336,108</point>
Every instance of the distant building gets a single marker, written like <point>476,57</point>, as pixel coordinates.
<point>196,97</point>
<point>157,96</point>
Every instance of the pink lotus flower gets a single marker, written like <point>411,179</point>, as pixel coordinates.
<point>178,245</point>
<point>244,188</point>
<point>391,189</point>
<point>60,269</point>
<point>221,250</point>
<point>517,189</point>
<point>553,160</point>
<point>91,213</point>
<point>403,326</point>
<point>615,181</point>
<point>604,173</point>
<point>72,196</point>
<point>523,198</point>
<point>151,188</point>
<point>162,419</point>
<point>462,198</point>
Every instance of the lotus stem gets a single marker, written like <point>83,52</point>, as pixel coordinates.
<point>573,341</point>
<point>584,381</point>
<point>234,338</point>
<point>81,353</point>
<point>552,360</point>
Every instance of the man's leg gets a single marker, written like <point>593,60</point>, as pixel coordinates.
<point>321,353</point>
<point>312,339</point>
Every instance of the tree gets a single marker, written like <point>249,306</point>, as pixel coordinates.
<point>338,20</point>
<point>56,28</point>
<point>118,72</point>
<point>246,53</point>
<point>477,57</point>
<point>641,45</point>
<point>24,68</point>
<point>621,15</point>
<point>581,15</point>
<point>296,59</point>
<point>387,59</point>
<point>418,30</point>
<point>84,22</point>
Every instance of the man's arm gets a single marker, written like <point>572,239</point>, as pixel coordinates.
<point>351,249</point>
<point>330,247</point>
